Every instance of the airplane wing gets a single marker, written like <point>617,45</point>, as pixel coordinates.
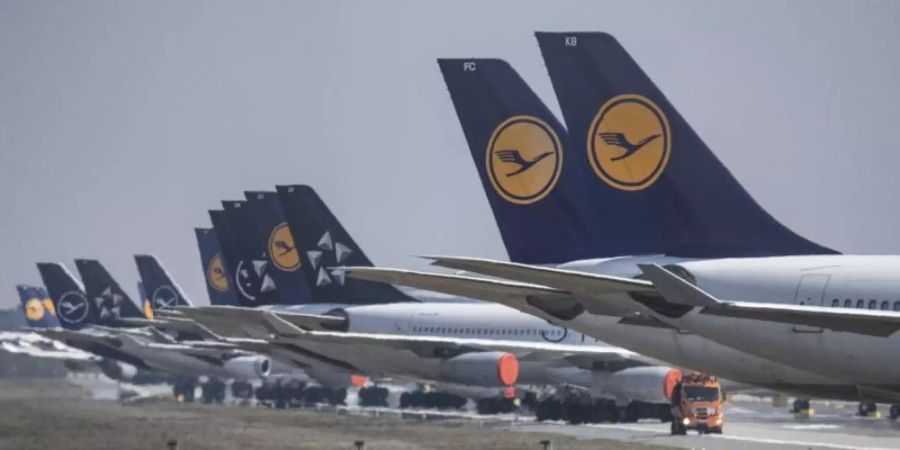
<point>233,321</point>
<point>440,346</point>
<point>471,287</point>
<point>861,321</point>
<point>540,301</point>
<point>32,344</point>
<point>579,285</point>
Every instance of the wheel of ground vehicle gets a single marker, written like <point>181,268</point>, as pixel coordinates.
<point>895,411</point>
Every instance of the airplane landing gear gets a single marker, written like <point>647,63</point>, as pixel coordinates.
<point>487,406</point>
<point>868,409</point>
<point>183,389</point>
<point>801,407</point>
<point>373,396</point>
<point>438,400</point>
<point>212,391</point>
<point>242,390</point>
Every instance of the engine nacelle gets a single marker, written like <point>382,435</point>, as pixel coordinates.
<point>650,384</point>
<point>481,368</point>
<point>118,371</point>
<point>248,367</point>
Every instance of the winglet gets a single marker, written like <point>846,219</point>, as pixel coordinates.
<point>676,290</point>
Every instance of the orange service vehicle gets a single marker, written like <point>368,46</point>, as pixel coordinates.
<point>697,404</point>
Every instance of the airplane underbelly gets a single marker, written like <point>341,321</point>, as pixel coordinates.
<point>694,352</point>
<point>850,359</point>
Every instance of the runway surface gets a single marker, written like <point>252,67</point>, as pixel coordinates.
<point>751,423</point>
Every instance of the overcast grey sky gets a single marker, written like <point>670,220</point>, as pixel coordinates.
<point>122,122</point>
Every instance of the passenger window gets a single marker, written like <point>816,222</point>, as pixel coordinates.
<point>848,303</point>
<point>885,305</point>
<point>873,304</point>
<point>860,303</point>
<point>835,303</point>
<point>896,306</point>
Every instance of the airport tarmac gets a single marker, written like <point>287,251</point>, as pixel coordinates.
<point>38,414</point>
<point>753,424</point>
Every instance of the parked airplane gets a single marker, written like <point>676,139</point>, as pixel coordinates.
<point>462,343</point>
<point>40,313</point>
<point>87,328</point>
<point>572,212</point>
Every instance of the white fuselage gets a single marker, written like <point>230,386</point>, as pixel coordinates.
<point>469,320</point>
<point>693,350</point>
<point>871,282</point>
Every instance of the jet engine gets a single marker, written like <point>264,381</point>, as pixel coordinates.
<point>481,368</point>
<point>649,384</point>
<point>248,367</point>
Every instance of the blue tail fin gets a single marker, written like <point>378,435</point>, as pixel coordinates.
<point>230,251</point>
<point>522,155</point>
<point>274,243</point>
<point>324,243</point>
<point>159,288</point>
<point>109,300</point>
<point>38,308</point>
<point>214,267</point>
<point>72,306</point>
<point>254,286</point>
<point>656,187</point>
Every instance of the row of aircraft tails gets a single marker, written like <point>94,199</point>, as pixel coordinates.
<point>634,256</point>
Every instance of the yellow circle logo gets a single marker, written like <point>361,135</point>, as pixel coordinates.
<point>216,275</point>
<point>629,142</point>
<point>34,310</point>
<point>282,250</point>
<point>48,306</point>
<point>524,158</point>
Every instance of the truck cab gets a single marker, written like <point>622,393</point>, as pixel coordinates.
<point>697,405</point>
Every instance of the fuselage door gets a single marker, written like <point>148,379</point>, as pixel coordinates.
<point>810,292</point>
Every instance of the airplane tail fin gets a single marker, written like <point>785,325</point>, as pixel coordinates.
<point>323,243</point>
<point>656,187</point>
<point>253,284</point>
<point>231,255</point>
<point>214,267</point>
<point>522,154</point>
<point>69,300</point>
<point>274,243</point>
<point>38,308</point>
<point>159,288</point>
<point>111,302</point>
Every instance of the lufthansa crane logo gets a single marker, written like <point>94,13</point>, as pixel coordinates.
<point>216,274</point>
<point>524,158</point>
<point>282,250</point>
<point>164,297</point>
<point>629,142</point>
<point>34,309</point>
<point>73,307</point>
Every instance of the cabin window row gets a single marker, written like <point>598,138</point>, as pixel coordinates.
<point>512,332</point>
<point>883,305</point>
